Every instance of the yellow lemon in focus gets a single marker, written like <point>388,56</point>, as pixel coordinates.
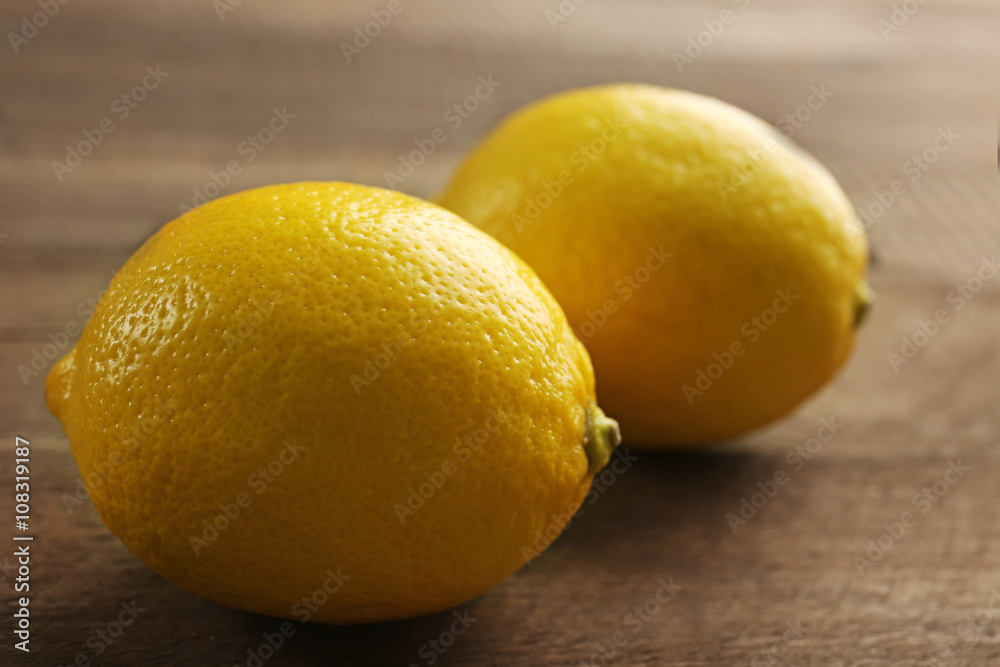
<point>713,269</point>
<point>329,402</point>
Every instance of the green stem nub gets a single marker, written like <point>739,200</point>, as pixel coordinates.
<point>600,437</point>
<point>864,297</point>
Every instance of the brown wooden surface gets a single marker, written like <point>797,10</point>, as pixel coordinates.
<point>663,518</point>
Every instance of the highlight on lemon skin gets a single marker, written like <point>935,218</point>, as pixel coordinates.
<point>586,184</point>
<point>223,409</point>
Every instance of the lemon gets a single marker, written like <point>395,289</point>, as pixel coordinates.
<point>713,269</point>
<point>324,401</point>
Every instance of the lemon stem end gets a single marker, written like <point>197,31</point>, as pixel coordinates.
<point>600,437</point>
<point>864,297</point>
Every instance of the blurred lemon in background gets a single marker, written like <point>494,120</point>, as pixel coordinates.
<point>330,402</point>
<point>713,269</point>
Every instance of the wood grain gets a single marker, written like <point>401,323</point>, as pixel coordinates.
<point>665,519</point>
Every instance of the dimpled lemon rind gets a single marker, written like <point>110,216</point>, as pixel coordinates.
<point>713,269</point>
<point>391,399</point>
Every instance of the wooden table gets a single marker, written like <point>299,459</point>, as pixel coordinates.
<point>788,587</point>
